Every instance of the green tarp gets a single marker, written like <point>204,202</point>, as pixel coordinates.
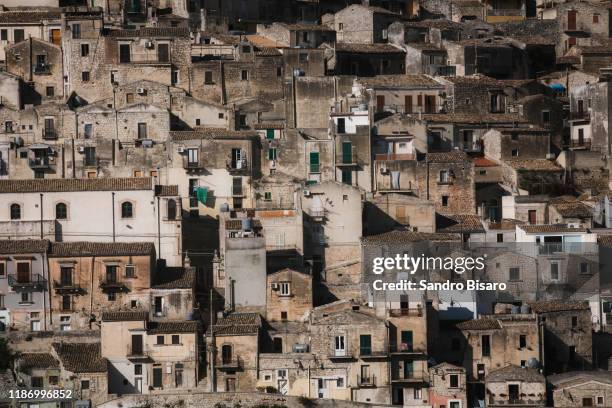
<point>202,193</point>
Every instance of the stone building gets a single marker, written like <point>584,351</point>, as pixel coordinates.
<point>581,388</point>
<point>568,337</point>
<point>447,386</point>
<point>364,59</point>
<point>147,356</point>
<point>289,296</point>
<point>232,345</point>
<point>394,210</point>
<point>88,278</point>
<point>297,35</point>
<point>358,24</point>
<point>39,64</point>
<point>517,143</point>
<point>18,24</point>
<point>24,288</point>
<point>37,370</point>
<point>515,385</point>
<point>173,293</point>
<point>83,370</point>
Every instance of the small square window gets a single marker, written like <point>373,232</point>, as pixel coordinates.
<point>130,271</point>
<point>112,296</point>
<point>221,115</point>
<point>160,339</point>
<point>444,201</point>
<point>515,152</point>
<point>515,274</point>
<point>84,50</point>
<point>85,76</point>
<point>50,91</point>
<point>84,384</point>
<point>175,339</point>
<point>283,315</point>
<point>244,75</point>
<point>37,382</point>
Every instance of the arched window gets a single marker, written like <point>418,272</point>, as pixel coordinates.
<point>127,210</point>
<point>61,211</point>
<point>171,207</point>
<point>15,212</point>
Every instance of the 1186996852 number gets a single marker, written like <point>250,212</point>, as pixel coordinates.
<point>40,394</point>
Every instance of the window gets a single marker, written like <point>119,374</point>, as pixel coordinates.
<point>127,210</point>
<point>84,50</point>
<point>137,369</point>
<point>283,315</point>
<point>90,156</point>
<point>554,271</point>
<point>595,18</point>
<point>417,394</point>
<point>444,177</point>
<point>163,52</point>
<point>303,57</point>
<point>486,345</point>
<point>340,346</point>
<point>50,91</point>
<point>220,115</point>
<point>500,237</point>
<point>340,26</point>
<point>76,31</point>
<point>61,211</point>
<point>18,35</point>
<point>174,77</point>
<point>586,402</point>
<point>365,344</point>
<point>546,117</point>
<point>26,297</point>
<point>2,268</point>
<point>347,176</point>
<point>112,296</point>
<point>522,341</point>
<point>53,380</point>
<point>444,201</point>
<point>515,152</point>
<point>4,35</point>
<point>84,384</point>
<point>515,274</point>
<point>272,153</point>
<point>314,162</point>
<point>142,130</point>
<point>37,382</point>
<point>454,380</point>
<point>279,71</point>
<point>85,76</point>
<point>176,339</point>
<point>244,75</point>
<point>268,196</point>
<point>130,271</point>
<point>129,98</point>
<point>600,400</point>
<point>124,53</point>
<point>160,340</point>
<point>157,377</point>
<point>208,78</point>
<point>584,268</point>
<point>88,131</point>
<point>574,321</point>
<point>66,303</point>
<point>15,212</point>
<point>171,209</point>
<point>532,217</point>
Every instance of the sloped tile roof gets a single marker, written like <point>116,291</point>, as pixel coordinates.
<point>573,210</point>
<point>533,165</point>
<point>367,48</point>
<point>150,32</point>
<point>166,191</point>
<point>416,81</point>
<point>512,372</point>
<point>463,223</point>
<point>237,324</point>
<point>172,327</point>
<point>454,156</point>
<point>63,249</point>
<point>25,17</point>
<point>400,236</point>
<point>238,330</point>
<point>37,360</point>
<point>480,324</point>
<point>174,278</point>
<point>532,229</point>
<point>81,357</point>
<point>67,185</point>
<point>23,246</point>
<point>210,133</point>
<point>124,316</point>
<point>558,306</point>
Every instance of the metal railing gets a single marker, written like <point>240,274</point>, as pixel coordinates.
<point>42,69</point>
<point>418,312</point>
<point>505,12</point>
<point>580,115</point>
<point>34,282</point>
<point>585,144</point>
<point>366,381</point>
<point>193,165</point>
<point>49,134</point>
<point>39,162</point>
<point>234,362</point>
<point>236,164</point>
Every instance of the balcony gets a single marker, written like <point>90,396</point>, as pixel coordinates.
<point>317,214</point>
<point>314,168</point>
<point>580,116</point>
<point>409,377</point>
<point>148,58</point>
<point>49,134</point>
<point>40,163</point>
<point>506,12</point>
<point>366,353</point>
<point>113,286</point>
<point>237,191</point>
<point>418,312</point>
<point>137,352</point>
<point>234,363</point>
<point>68,288</point>
<point>395,156</point>
<point>347,159</point>
<point>366,381</point>
<point>405,349</point>
<point>193,165</point>
<point>42,69</point>
<point>236,165</point>
<point>339,355</point>
<point>515,402</point>
<point>34,283</point>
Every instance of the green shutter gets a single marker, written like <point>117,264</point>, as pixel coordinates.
<point>347,152</point>
<point>269,133</point>
<point>272,153</point>
<point>347,176</point>
<point>314,162</point>
<point>365,344</point>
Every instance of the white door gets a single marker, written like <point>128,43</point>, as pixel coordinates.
<point>139,384</point>
<point>340,349</point>
<point>283,383</point>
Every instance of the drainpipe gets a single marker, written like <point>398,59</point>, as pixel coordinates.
<point>213,384</point>
<point>46,266</point>
<point>158,229</point>
<point>113,212</point>
<point>42,231</point>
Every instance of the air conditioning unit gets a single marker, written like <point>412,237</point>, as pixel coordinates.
<point>300,348</point>
<point>146,143</point>
<point>274,286</point>
<point>306,193</point>
<point>141,91</point>
<point>181,149</point>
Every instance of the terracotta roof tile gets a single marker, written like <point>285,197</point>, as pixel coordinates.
<point>23,246</point>
<point>150,32</point>
<point>174,278</point>
<point>401,236</point>
<point>558,306</point>
<point>25,17</point>
<point>462,223</point>
<point>367,48</point>
<point>187,326</point>
<point>505,224</point>
<point>166,191</point>
<point>210,133</point>
<point>398,81</point>
<point>237,324</point>
<point>534,229</point>
<point>454,156</point>
<point>533,165</point>
<point>67,249</point>
<point>66,185</point>
<point>498,118</point>
<point>124,316</point>
<point>484,162</point>
<point>573,210</point>
<point>480,324</point>
<point>81,357</point>
<point>515,373</point>
<point>37,360</point>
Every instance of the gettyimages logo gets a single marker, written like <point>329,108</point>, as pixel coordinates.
<point>406,263</point>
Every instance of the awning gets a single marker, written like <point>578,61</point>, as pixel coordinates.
<point>39,146</point>
<point>202,194</point>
